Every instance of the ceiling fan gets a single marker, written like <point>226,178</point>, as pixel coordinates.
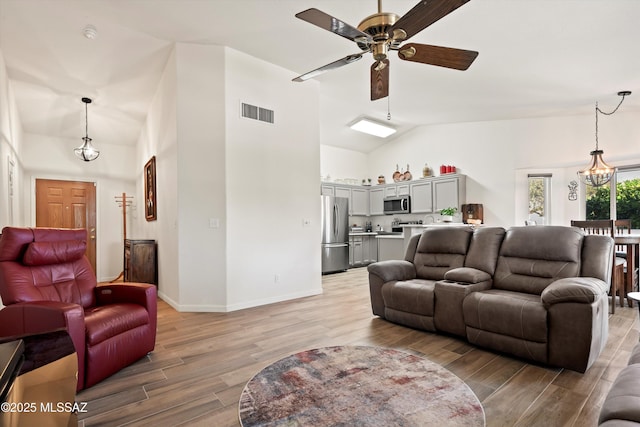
<point>383,32</point>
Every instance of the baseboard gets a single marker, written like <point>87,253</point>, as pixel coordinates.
<point>213,308</point>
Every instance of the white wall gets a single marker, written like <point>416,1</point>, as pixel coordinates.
<point>344,164</point>
<point>257,182</point>
<point>159,138</point>
<point>273,180</point>
<point>497,156</point>
<point>202,177</point>
<point>11,205</point>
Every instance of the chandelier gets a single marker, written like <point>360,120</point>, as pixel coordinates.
<point>86,151</point>
<point>599,172</point>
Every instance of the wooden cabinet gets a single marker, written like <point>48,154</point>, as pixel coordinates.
<point>363,250</point>
<point>448,192</point>
<point>359,202</point>
<point>428,195</point>
<point>356,251</point>
<point>390,248</point>
<point>422,197</point>
<point>358,197</point>
<point>140,261</point>
<point>376,201</point>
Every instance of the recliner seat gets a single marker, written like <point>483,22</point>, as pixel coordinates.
<point>46,283</point>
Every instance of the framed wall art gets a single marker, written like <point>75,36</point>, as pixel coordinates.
<point>150,205</point>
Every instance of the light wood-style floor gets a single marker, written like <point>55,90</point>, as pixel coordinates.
<point>203,360</point>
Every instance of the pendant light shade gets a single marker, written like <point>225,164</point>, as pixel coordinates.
<point>86,151</point>
<point>598,172</point>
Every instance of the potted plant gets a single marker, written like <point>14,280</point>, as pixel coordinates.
<point>447,214</point>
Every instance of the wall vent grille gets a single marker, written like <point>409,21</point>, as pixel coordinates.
<point>257,113</point>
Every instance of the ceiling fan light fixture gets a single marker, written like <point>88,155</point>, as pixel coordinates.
<point>372,127</point>
<point>86,151</point>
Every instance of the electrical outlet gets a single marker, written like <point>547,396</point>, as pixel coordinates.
<point>214,223</point>
<point>276,278</point>
<point>306,222</point>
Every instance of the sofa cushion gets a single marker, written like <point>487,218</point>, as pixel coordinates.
<point>104,322</point>
<point>533,257</point>
<point>484,248</point>
<point>513,314</point>
<point>439,250</point>
<point>411,296</point>
<point>623,400</point>
<point>47,253</point>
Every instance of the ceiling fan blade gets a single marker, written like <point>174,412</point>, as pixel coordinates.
<point>336,26</point>
<point>335,64</point>
<point>380,79</point>
<point>424,14</point>
<point>448,57</point>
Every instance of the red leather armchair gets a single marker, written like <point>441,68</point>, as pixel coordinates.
<point>46,283</point>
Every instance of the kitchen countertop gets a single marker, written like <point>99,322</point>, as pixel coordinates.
<point>436,224</point>
<point>378,235</point>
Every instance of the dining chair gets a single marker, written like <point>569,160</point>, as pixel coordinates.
<point>606,227</point>
<point>622,226</point>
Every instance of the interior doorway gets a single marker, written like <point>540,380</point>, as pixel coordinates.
<point>68,204</point>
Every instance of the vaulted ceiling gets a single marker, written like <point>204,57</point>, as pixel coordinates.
<point>537,58</point>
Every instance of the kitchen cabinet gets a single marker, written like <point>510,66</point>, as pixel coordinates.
<point>422,197</point>
<point>376,201</point>
<point>359,203</point>
<point>363,250</point>
<point>357,195</point>
<point>428,195</point>
<point>449,192</point>
<point>434,194</point>
<point>140,261</point>
<point>344,192</point>
<point>390,248</point>
<point>372,247</point>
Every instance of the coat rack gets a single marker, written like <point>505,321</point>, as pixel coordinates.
<point>123,201</point>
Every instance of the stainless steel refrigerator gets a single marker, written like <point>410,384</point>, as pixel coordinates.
<point>335,234</point>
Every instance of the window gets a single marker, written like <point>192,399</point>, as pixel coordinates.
<point>627,197</point>
<point>539,198</point>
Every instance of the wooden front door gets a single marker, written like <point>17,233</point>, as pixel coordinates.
<point>68,204</point>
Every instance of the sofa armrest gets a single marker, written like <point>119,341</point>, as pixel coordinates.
<point>392,270</point>
<point>574,289</point>
<point>143,294</point>
<point>467,275</point>
<point>38,317</point>
<point>41,316</point>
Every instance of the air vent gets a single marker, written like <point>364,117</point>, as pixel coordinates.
<point>257,113</point>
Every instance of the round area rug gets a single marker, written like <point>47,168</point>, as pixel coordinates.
<point>358,386</point>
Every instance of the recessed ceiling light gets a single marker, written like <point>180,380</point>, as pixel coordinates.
<point>372,127</point>
<point>90,32</point>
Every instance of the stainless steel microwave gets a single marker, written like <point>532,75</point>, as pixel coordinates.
<point>397,205</point>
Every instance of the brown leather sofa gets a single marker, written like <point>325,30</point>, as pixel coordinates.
<point>539,293</point>
<point>621,407</point>
<point>46,283</point>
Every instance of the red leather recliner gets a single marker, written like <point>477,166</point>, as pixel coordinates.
<point>46,283</point>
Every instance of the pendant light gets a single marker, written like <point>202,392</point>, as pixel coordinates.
<point>598,172</point>
<point>86,151</point>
